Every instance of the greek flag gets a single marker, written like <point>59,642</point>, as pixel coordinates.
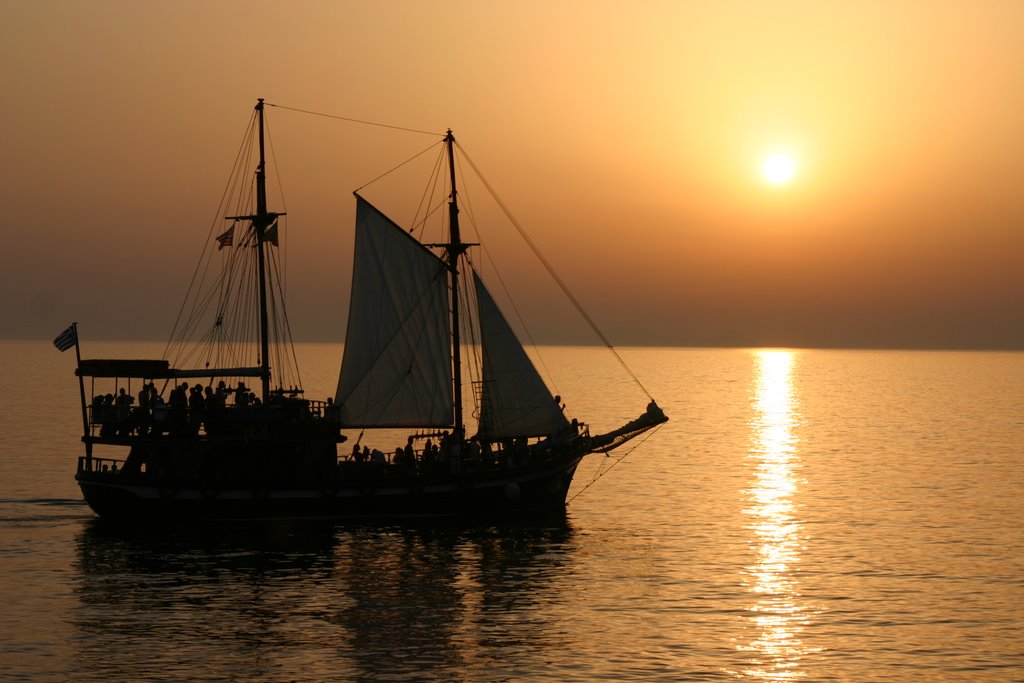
<point>66,339</point>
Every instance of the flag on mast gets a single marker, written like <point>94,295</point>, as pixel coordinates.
<point>271,233</point>
<point>66,339</point>
<point>226,238</point>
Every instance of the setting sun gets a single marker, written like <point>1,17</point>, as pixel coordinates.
<point>778,169</point>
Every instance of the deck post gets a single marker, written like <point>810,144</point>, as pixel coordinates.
<point>86,438</point>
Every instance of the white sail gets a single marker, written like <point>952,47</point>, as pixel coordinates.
<point>396,370</point>
<point>514,400</point>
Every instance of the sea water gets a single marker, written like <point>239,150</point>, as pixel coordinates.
<point>805,514</point>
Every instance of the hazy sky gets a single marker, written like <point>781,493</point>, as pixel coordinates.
<point>628,138</point>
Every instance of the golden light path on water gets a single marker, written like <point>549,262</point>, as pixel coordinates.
<point>777,615</point>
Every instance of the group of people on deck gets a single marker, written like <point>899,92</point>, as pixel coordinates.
<point>185,411</point>
<point>449,449</point>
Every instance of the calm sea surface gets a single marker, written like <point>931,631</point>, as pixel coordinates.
<point>817,515</point>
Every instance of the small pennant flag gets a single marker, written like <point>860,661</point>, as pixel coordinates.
<point>66,339</point>
<point>226,238</point>
<point>271,234</point>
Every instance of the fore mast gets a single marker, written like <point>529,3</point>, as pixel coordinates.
<point>262,221</point>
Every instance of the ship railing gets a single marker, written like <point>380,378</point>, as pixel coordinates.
<point>111,421</point>
<point>474,455</point>
<point>94,464</point>
<point>324,410</point>
<point>107,421</point>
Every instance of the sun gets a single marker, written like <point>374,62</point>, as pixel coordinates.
<point>778,169</point>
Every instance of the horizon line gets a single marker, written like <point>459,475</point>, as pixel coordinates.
<point>643,345</point>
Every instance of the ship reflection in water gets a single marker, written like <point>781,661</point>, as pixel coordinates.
<point>778,614</point>
<point>319,601</point>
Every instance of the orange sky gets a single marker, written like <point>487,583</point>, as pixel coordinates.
<point>627,138</point>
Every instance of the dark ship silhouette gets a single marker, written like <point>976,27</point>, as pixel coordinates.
<point>201,443</point>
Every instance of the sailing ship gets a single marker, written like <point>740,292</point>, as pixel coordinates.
<point>220,449</point>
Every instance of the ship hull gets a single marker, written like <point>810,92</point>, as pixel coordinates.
<point>535,489</point>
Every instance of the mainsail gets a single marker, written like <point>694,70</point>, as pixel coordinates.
<point>396,370</point>
<point>514,401</point>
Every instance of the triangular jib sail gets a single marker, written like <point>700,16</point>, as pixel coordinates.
<point>396,370</point>
<point>514,401</point>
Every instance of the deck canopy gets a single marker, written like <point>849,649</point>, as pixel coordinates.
<point>154,369</point>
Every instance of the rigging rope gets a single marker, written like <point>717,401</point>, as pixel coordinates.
<point>554,275</point>
<point>282,234</point>
<point>350,120</point>
<point>515,223</point>
<point>601,473</point>
<point>245,144</point>
<point>392,170</point>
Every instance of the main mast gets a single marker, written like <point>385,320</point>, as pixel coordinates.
<point>455,249</point>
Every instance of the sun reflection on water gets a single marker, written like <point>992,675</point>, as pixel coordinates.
<point>778,615</point>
